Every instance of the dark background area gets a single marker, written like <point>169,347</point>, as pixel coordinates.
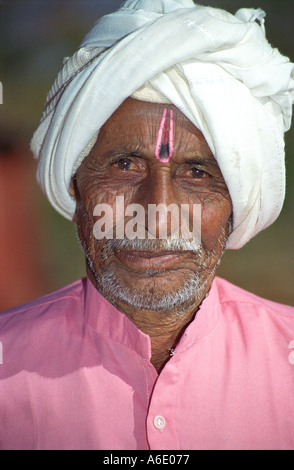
<point>38,248</point>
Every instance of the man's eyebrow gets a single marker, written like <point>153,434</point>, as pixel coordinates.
<point>121,151</point>
<point>138,150</point>
<point>208,161</point>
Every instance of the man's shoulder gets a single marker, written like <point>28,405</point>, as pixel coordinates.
<point>230,294</point>
<point>49,303</point>
<point>35,331</point>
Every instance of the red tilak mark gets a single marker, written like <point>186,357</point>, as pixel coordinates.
<point>165,138</point>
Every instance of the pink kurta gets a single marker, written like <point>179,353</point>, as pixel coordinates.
<point>76,374</point>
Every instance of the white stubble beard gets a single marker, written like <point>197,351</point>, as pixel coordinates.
<point>114,289</point>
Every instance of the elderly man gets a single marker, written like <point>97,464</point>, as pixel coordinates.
<point>182,106</point>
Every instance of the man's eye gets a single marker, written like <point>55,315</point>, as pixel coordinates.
<point>124,164</point>
<point>197,173</point>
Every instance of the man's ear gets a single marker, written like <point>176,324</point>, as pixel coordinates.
<point>72,192</point>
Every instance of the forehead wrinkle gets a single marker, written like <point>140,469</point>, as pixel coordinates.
<point>147,135</point>
<point>139,138</point>
<point>135,125</point>
<point>189,148</point>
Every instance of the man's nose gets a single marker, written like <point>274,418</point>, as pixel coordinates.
<point>158,199</point>
<point>159,188</point>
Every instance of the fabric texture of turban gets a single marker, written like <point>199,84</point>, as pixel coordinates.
<point>215,67</point>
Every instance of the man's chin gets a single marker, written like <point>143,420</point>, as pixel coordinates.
<point>155,292</point>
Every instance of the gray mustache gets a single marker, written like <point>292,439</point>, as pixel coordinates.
<point>167,244</point>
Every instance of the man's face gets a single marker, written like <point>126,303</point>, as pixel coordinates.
<point>155,274</point>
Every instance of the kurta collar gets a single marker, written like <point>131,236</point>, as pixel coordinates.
<point>115,325</point>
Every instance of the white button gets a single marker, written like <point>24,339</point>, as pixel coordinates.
<point>159,422</point>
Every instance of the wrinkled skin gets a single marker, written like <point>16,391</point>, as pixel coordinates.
<point>122,163</point>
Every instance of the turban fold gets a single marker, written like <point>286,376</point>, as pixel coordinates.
<point>217,68</point>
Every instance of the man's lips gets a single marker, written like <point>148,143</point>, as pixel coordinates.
<point>137,259</point>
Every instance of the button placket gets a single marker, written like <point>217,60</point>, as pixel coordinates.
<point>161,426</point>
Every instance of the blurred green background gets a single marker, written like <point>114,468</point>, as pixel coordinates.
<point>38,248</point>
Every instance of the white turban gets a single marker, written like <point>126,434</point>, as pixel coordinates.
<point>215,67</point>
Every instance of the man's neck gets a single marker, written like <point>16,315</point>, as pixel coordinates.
<point>165,328</point>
